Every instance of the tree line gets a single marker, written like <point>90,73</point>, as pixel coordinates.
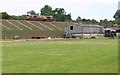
<point>60,15</point>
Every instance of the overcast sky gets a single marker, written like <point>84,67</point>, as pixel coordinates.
<point>97,9</point>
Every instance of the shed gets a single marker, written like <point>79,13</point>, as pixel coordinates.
<point>84,31</point>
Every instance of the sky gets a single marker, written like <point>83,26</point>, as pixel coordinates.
<point>89,9</point>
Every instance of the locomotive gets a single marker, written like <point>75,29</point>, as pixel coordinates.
<point>39,18</point>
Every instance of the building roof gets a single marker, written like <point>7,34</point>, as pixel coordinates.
<point>88,25</point>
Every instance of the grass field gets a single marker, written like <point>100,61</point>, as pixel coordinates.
<point>61,56</point>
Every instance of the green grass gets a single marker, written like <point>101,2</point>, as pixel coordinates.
<point>65,56</point>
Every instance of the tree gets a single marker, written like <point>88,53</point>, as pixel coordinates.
<point>60,15</point>
<point>60,11</point>
<point>105,21</point>
<point>94,21</point>
<point>78,19</point>
<point>117,15</point>
<point>32,12</point>
<point>68,17</point>
<point>46,10</point>
<point>112,21</point>
<point>84,20</point>
<point>5,15</point>
<point>13,17</point>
